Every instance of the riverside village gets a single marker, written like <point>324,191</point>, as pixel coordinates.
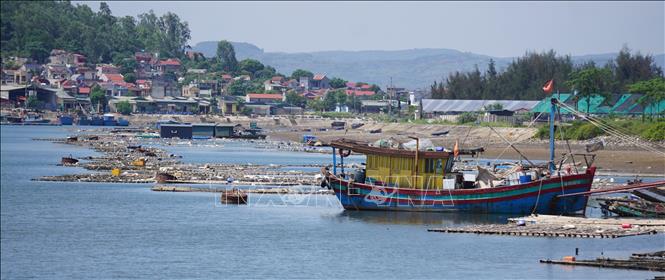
<point>131,150</point>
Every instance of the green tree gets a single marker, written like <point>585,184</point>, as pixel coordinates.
<point>242,87</point>
<point>33,102</point>
<point>130,77</point>
<point>226,57</point>
<point>631,68</point>
<point>214,105</point>
<point>251,65</point>
<point>296,99</point>
<point>301,73</point>
<point>338,83</point>
<point>334,98</point>
<point>494,107</point>
<point>653,93</point>
<point>316,105</point>
<point>98,97</point>
<point>123,107</point>
<point>589,82</point>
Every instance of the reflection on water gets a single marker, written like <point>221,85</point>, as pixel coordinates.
<point>422,218</point>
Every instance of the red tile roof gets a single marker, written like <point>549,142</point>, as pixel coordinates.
<point>84,90</point>
<point>170,62</point>
<point>365,87</point>
<point>264,96</point>
<point>116,78</point>
<point>360,92</point>
<point>277,78</point>
<point>319,77</point>
<point>227,77</point>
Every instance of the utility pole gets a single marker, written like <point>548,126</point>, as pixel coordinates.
<point>390,98</point>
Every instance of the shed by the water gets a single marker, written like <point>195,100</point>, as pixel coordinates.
<point>224,130</point>
<point>182,131</point>
<point>203,130</point>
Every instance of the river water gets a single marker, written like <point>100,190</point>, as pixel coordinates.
<point>58,230</point>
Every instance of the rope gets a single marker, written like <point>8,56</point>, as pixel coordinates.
<point>518,138</point>
<point>535,206</point>
<point>612,130</point>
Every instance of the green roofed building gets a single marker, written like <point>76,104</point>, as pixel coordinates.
<point>623,104</point>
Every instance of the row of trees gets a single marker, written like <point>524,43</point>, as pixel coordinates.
<point>34,28</point>
<point>524,77</point>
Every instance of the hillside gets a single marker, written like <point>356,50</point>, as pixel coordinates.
<point>414,68</point>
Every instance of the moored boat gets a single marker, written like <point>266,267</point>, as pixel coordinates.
<point>66,119</point>
<point>234,196</point>
<point>68,160</point>
<point>163,177</point>
<point>397,179</point>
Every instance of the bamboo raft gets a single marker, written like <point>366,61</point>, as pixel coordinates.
<point>569,227</point>
<point>649,261</point>
<point>165,188</point>
<point>544,231</point>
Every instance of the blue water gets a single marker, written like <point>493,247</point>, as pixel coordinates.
<point>53,230</point>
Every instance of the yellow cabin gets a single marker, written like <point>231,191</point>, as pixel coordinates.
<point>400,168</point>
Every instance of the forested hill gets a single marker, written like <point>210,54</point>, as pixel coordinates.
<point>415,68</point>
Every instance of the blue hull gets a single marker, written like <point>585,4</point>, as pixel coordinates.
<point>534,197</point>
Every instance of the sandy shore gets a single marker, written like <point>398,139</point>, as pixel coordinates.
<point>617,157</point>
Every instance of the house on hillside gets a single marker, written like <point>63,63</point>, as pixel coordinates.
<point>114,78</point>
<point>228,105</point>
<point>190,90</point>
<point>161,88</point>
<point>56,72</point>
<point>144,86</point>
<point>273,85</point>
<point>319,81</point>
<point>171,65</point>
<point>87,73</point>
<point>66,58</point>
<point>106,69</point>
<point>264,98</point>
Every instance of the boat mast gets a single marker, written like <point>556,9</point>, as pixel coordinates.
<point>552,112</point>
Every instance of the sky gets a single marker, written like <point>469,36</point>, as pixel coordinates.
<point>502,29</point>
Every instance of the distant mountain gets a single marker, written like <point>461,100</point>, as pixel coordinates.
<point>414,68</point>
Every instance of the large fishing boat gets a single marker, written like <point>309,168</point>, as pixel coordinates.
<point>397,179</point>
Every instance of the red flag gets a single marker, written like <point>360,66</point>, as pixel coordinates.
<point>549,86</point>
<point>456,149</point>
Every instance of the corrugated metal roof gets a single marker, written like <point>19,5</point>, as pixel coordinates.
<point>626,103</point>
<point>459,105</point>
<point>544,105</point>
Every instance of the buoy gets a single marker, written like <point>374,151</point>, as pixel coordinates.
<point>115,172</point>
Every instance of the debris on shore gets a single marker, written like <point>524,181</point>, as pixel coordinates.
<point>279,190</point>
<point>561,226</point>
<point>134,160</point>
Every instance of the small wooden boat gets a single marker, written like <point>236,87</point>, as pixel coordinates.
<point>633,208</point>
<point>68,160</point>
<point>234,196</point>
<point>163,177</point>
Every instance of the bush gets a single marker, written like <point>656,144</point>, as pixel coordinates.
<point>466,117</point>
<point>123,107</point>
<point>583,132</point>
<point>655,132</point>
<point>33,102</point>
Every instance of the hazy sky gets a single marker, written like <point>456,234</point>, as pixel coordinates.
<point>492,28</point>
